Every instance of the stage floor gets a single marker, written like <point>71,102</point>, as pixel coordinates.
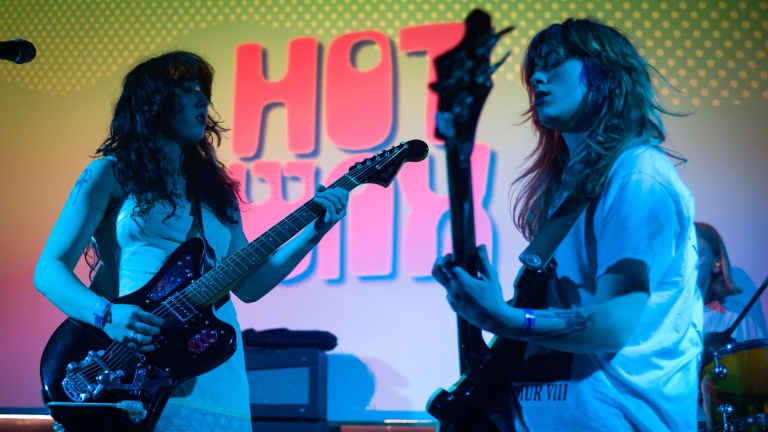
<point>44,423</point>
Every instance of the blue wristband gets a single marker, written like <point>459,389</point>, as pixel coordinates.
<point>100,312</point>
<point>529,324</point>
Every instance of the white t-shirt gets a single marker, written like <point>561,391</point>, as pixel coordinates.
<point>646,213</point>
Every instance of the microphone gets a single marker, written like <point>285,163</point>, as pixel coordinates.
<point>18,51</point>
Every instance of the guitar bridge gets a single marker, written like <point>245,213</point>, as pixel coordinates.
<point>89,378</point>
<point>82,383</point>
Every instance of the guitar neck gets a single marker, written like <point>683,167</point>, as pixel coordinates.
<point>463,84</point>
<point>462,210</point>
<point>379,169</point>
<point>472,347</point>
<point>221,279</point>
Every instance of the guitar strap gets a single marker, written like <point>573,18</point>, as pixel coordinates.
<point>538,256</point>
<point>539,252</point>
<point>197,216</point>
<point>209,255</point>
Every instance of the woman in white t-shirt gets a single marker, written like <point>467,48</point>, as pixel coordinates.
<point>621,325</point>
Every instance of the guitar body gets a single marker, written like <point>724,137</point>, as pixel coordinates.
<point>471,401</point>
<point>79,357</point>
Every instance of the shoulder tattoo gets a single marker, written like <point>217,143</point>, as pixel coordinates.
<point>84,178</point>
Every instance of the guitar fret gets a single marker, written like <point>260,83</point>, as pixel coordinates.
<point>227,273</point>
<point>279,227</point>
<point>242,261</point>
<point>241,258</point>
<point>261,253</point>
<point>209,288</point>
<point>216,278</point>
<point>354,182</point>
<point>202,287</point>
<point>226,267</point>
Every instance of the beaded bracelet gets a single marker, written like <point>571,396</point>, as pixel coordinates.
<point>529,324</point>
<point>100,312</point>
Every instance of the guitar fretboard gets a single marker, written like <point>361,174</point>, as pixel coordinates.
<point>221,277</point>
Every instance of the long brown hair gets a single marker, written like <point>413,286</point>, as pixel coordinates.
<point>620,104</point>
<point>721,282</point>
<point>141,115</point>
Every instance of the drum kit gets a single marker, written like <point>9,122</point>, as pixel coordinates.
<point>734,383</point>
<point>734,387</point>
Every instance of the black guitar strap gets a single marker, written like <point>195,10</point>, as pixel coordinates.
<point>538,256</point>
<point>209,255</point>
<point>197,215</point>
<point>539,252</point>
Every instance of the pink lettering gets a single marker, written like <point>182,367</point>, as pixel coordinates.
<point>255,96</point>
<point>370,228</point>
<point>432,39</point>
<point>359,104</point>
<point>358,113</point>
<point>423,225</point>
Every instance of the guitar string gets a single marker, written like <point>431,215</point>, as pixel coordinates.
<point>117,354</point>
<point>122,352</point>
<point>208,280</point>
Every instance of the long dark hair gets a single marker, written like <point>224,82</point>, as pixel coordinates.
<point>620,103</point>
<point>141,116</point>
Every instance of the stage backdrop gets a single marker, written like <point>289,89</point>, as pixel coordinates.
<point>310,87</point>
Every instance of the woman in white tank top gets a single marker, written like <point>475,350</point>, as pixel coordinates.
<point>132,207</point>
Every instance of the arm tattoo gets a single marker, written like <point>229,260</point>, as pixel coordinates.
<point>572,322</point>
<point>84,178</point>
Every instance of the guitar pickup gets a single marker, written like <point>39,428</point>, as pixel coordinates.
<point>180,307</point>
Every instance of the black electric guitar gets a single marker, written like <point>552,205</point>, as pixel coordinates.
<point>469,405</point>
<point>463,84</point>
<point>91,382</point>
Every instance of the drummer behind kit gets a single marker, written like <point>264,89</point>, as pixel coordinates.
<point>734,382</point>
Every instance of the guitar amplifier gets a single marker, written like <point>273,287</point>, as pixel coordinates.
<point>287,384</point>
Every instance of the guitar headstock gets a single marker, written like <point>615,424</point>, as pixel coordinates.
<point>464,80</point>
<point>382,167</point>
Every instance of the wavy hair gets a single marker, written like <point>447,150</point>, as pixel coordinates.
<point>141,115</point>
<point>620,104</point>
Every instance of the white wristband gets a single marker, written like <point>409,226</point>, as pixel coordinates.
<point>101,312</point>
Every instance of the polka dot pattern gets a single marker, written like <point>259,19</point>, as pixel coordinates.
<point>709,51</point>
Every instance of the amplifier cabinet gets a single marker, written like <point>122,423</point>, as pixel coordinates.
<point>287,384</point>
